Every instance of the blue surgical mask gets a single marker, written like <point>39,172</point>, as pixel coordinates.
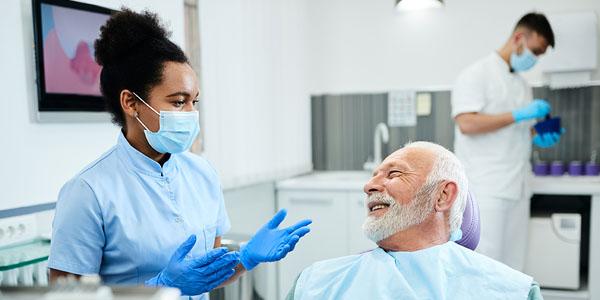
<point>524,61</point>
<point>177,130</point>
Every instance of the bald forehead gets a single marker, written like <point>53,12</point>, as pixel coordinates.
<point>415,158</point>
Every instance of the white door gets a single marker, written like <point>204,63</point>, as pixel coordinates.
<point>327,238</point>
<point>357,241</point>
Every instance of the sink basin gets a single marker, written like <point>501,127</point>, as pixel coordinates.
<point>328,180</point>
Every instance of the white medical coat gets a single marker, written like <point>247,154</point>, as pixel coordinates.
<point>496,163</point>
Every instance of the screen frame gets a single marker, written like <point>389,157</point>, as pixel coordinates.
<point>57,102</point>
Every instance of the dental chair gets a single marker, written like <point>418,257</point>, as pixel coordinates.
<point>470,224</point>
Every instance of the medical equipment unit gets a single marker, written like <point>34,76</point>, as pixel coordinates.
<point>23,254</point>
<point>559,241</point>
<point>88,288</point>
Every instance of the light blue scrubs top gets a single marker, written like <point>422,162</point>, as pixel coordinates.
<point>124,215</point>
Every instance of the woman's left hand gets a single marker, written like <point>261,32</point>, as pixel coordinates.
<point>272,244</point>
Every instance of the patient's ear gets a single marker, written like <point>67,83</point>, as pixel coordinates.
<point>446,196</point>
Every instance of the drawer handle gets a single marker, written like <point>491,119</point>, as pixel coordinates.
<point>311,201</point>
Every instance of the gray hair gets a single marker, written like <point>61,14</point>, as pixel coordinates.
<point>447,167</point>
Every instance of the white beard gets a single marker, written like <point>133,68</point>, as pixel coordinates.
<point>398,217</point>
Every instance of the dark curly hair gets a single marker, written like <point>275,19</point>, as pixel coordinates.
<point>132,49</point>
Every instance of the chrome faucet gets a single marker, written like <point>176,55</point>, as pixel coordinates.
<point>381,136</point>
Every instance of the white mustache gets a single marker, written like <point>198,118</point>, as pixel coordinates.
<point>379,197</point>
<point>398,217</point>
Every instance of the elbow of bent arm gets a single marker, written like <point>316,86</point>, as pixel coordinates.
<point>464,128</point>
<point>465,125</point>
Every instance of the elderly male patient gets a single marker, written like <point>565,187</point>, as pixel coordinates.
<point>415,203</point>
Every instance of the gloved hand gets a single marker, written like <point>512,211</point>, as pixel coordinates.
<point>539,108</point>
<point>547,140</point>
<point>198,275</point>
<point>272,244</point>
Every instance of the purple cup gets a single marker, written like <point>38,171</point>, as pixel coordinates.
<point>592,169</point>
<point>557,168</point>
<point>575,168</point>
<point>540,168</point>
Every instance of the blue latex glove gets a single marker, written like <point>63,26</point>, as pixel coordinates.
<point>197,275</point>
<point>272,244</point>
<point>538,108</point>
<point>547,140</point>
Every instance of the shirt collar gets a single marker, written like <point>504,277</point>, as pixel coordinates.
<point>501,62</point>
<point>144,164</point>
<point>421,252</point>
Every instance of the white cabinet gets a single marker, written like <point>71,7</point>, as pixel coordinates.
<point>336,231</point>
<point>324,240</point>
<point>357,241</point>
<point>585,186</point>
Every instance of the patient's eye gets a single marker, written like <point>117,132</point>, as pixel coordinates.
<point>394,173</point>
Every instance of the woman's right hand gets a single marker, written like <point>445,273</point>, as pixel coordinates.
<point>197,275</point>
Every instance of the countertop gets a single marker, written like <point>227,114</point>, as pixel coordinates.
<point>566,185</point>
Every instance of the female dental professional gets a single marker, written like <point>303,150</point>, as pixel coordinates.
<point>146,211</point>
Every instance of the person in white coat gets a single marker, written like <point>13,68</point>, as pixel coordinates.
<point>494,112</point>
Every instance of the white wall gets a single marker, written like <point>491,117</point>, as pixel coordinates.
<point>261,59</point>
<point>255,96</point>
<point>365,45</point>
<point>38,158</point>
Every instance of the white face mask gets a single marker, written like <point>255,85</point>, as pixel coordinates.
<point>524,61</point>
<point>177,130</point>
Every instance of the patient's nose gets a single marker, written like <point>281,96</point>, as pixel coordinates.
<point>373,186</point>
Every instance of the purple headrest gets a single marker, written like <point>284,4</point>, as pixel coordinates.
<point>470,224</point>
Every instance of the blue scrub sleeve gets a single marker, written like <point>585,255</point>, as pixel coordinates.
<point>223,223</point>
<point>77,230</point>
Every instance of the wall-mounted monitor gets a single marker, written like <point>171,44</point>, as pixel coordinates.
<point>68,76</point>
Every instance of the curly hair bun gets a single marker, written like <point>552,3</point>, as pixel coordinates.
<point>125,31</point>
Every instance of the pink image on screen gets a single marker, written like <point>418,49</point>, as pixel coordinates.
<point>69,64</point>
